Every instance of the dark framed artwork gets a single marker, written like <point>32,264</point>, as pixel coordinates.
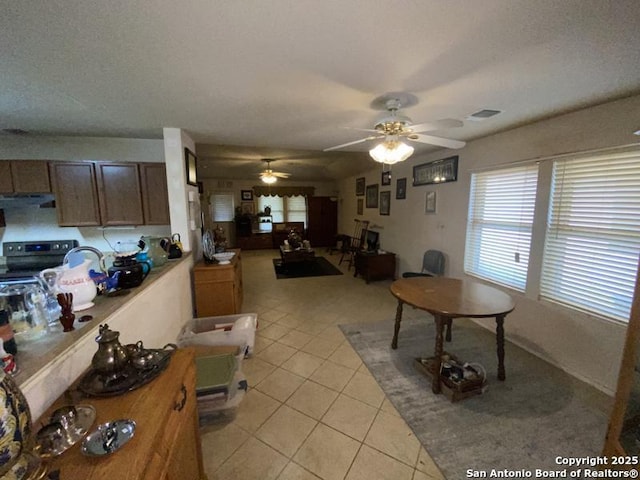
<point>360,206</point>
<point>438,171</point>
<point>372,196</point>
<point>246,195</point>
<point>360,186</point>
<point>401,189</point>
<point>386,178</point>
<point>385,203</point>
<point>191,160</point>
<point>247,207</point>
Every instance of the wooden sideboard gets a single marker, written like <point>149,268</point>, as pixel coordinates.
<point>218,288</point>
<point>166,443</point>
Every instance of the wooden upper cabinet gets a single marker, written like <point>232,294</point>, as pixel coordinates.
<point>24,176</point>
<point>6,184</point>
<point>75,189</point>
<point>119,193</point>
<point>155,199</point>
<point>30,176</point>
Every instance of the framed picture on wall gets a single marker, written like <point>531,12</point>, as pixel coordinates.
<point>372,196</point>
<point>246,195</point>
<point>247,207</point>
<point>360,206</point>
<point>430,203</point>
<point>401,189</point>
<point>385,203</point>
<point>360,186</point>
<point>190,160</point>
<point>386,178</point>
<point>439,171</point>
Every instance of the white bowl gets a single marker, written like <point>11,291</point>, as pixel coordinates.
<point>223,257</point>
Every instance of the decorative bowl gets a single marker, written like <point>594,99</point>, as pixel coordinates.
<point>224,257</point>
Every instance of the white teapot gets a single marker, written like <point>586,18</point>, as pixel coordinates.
<point>75,280</point>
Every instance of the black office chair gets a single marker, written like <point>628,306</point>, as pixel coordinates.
<point>432,265</point>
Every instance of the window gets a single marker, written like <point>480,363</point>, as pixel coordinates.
<point>501,208</point>
<point>286,209</point>
<point>221,207</point>
<point>593,234</point>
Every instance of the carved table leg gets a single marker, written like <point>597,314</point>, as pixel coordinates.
<point>500,345</point>
<point>440,321</point>
<point>396,329</point>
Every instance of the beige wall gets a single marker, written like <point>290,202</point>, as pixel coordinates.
<point>587,347</point>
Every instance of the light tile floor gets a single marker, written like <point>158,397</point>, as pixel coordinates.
<point>312,410</point>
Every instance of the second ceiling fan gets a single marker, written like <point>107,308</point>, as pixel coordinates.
<point>268,175</point>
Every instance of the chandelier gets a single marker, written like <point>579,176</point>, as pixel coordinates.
<point>391,151</point>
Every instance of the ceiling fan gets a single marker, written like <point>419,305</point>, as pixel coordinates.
<point>393,127</point>
<point>269,176</point>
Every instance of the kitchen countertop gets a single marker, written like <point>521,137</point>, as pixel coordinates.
<point>35,354</point>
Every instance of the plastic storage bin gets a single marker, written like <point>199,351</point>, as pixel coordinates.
<point>223,330</point>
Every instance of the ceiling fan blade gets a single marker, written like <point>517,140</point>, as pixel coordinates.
<point>281,174</point>
<point>436,125</point>
<point>371,130</point>
<point>352,143</point>
<point>441,142</point>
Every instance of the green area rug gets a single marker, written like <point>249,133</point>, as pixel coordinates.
<point>536,415</point>
<point>317,267</point>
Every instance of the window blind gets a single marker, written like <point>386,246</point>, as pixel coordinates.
<point>593,234</point>
<point>277,207</point>
<point>221,207</point>
<point>297,209</point>
<point>499,223</point>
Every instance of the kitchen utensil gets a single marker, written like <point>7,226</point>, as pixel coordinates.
<point>131,272</point>
<point>153,246</point>
<point>66,311</point>
<point>74,280</point>
<point>111,357</point>
<point>25,305</point>
<point>108,438</point>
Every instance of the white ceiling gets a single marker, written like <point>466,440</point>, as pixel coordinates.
<point>281,78</point>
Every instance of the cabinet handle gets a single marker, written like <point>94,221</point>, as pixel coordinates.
<point>180,405</point>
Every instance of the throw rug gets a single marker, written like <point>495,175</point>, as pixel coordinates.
<point>538,414</point>
<point>316,267</point>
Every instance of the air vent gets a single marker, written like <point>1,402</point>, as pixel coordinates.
<point>483,115</point>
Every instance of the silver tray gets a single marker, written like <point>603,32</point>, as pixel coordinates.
<point>51,447</point>
<point>108,438</point>
<point>98,385</point>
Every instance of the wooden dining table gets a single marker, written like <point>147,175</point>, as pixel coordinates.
<point>448,298</point>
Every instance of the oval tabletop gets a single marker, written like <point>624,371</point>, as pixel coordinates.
<point>452,297</point>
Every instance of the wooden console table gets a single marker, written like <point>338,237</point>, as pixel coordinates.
<point>375,266</point>
<point>166,443</point>
<point>449,298</point>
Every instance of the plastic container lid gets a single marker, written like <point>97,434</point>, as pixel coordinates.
<point>215,373</point>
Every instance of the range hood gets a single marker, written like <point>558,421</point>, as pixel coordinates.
<point>8,202</point>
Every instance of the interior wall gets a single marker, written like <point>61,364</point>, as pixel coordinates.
<point>585,346</point>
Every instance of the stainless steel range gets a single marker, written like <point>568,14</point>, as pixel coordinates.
<point>25,260</point>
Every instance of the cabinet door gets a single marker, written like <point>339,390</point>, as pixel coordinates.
<point>6,185</point>
<point>119,193</point>
<point>323,221</point>
<point>30,176</point>
<point>74,185</point>
<point>155,200</point>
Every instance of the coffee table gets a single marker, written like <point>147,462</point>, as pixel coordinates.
<point>298,255</point>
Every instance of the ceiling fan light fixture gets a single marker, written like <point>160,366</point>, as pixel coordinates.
<point>269,178</point>
<point>391,151</point>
